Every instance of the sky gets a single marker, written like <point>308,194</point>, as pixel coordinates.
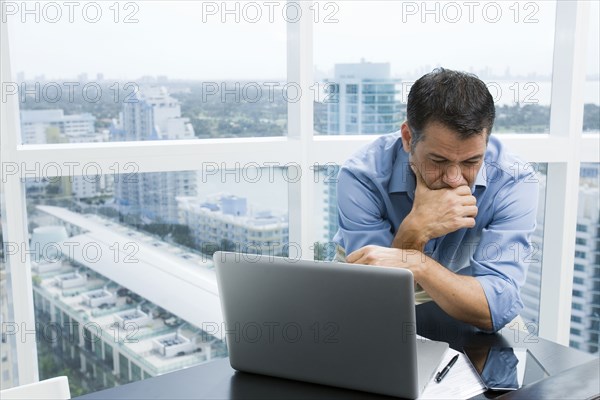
<point>199,40</point>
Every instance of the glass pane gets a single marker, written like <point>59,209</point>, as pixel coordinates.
<point>585,309</point>
<point>591,108</point>
<point>122,266</point>
<point>366,73</point>
<point>8,364</point>
<point>78,66</point>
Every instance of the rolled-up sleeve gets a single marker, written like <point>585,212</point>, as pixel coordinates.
<point>361,209</point>
<point>504,252</point>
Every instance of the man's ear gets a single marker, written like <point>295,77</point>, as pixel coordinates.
<point>406,137</point>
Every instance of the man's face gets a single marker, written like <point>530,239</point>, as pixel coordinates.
<point>443,159</point>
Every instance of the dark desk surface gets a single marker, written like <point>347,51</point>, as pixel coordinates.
<point>217,380</point>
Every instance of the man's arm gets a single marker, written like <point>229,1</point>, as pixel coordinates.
<point>504,252</point>
<point>462,297</point>
<point>361,210</point>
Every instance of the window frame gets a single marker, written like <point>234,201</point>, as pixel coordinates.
<point>564,149</point>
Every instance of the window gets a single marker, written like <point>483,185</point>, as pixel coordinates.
<point>130,220</point>
<point>229,53</point>
<point>123,63</point>
<point>136,372</point>
<point>123,368</point>
<point>108,355</point>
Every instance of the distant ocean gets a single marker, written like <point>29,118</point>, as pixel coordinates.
<point>532,92</point>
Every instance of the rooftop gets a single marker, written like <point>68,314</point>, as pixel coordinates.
<point>136,343</point>
<point>143,263</point>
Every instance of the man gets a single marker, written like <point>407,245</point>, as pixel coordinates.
<point>445,200</point>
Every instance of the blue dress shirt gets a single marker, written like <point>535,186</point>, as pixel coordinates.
<point>375,191</point>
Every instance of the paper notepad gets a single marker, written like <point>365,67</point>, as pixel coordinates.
<point>461,382</point>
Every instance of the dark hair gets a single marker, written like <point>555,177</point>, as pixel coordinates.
<point>457,100</point>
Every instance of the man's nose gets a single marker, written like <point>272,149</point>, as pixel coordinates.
<point>453,176</point>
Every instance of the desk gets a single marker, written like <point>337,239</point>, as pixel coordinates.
<point>217,380</point>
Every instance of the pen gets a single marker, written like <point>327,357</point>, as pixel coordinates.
<point>440,375</point>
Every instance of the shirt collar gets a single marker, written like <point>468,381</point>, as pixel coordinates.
<point>480,178</point>
<point>402,178</point>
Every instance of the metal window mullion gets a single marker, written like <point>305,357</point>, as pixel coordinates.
<point>562,190</point>
<point>300,132</point>
<point>127,157</point>
<point>15,232</point>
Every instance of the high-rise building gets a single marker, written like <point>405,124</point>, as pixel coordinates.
<point>362,99</point>
<point>152,196</point>
<point>153,115</point>
<point>326,178</point>
<point>585,307</point>
<point>225,222</point>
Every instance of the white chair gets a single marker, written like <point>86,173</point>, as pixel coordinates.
<point>55,389</point>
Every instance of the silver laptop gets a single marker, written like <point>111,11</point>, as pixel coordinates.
<point>345,325</point>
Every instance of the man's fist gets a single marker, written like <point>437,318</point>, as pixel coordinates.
<point>442,211</point>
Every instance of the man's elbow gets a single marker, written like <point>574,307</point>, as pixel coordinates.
<point>503,304</point>
<point>486,325</point>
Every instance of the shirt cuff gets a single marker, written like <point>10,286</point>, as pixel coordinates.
<point>503,299</point>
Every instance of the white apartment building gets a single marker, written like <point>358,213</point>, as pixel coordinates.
<point>362,99</point>
<point>75,128</point>
<point>226,222</point>
<point>96,302</point>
